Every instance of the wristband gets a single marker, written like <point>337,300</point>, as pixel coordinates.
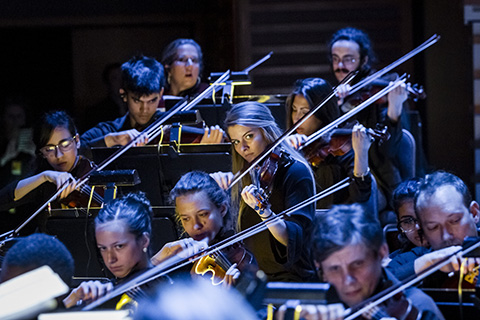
<point>363,175</point>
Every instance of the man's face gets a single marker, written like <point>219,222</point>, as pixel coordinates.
<point>354,271</point>
<point>142,108</point>
<point>445,219</point>
<point>345,58</point>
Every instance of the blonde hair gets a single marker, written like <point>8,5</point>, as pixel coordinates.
<point>254,115</point>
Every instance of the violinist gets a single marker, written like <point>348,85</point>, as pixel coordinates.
<point>411,238</point>
<point>202,210</point>
<point>143,81</point>
<point>446,214</point>
<point>307,94</point>
<point>348,249</point>
<point>57,141</point>
<point>282,252</point>
<point>350,50</point>
<point>122,233</point>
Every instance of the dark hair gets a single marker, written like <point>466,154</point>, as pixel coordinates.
<point>345,225</point>
<point>197,181</point>
<point>405,191</point>
<point>169,54</point>
<point>314,90</point>
<point>432,182</point>
<point>358,36</point>
<point>143,75</point>
<point>134,209</point>
<point>47,124</point>
<point>38,250</point>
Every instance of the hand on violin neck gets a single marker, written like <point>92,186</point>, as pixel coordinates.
<point>396,98</point>
<point>296,140</point>
<point>255,198</point>
<point>231,276</point>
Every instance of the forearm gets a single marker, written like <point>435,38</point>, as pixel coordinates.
<point>26,185</point>
<point>278,229</point>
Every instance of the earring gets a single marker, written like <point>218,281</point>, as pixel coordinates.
<point>145,250</point>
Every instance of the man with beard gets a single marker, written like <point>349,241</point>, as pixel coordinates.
<point>447,215</point>
<point>351,50</point>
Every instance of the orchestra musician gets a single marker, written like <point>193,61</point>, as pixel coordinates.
<point>122,233</point>
<point>202,210</point>
<point>350,50</point>
<point>348,249</point>
<point>183,62</point>
<point>282,252</point>
<point>447,214</point>
<point>57,142</point>
<point>35,251</point>
<point>410,236</point>
<point>143,81</point>
<point>307,94</point>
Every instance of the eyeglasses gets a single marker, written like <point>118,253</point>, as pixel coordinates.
<point>345,60</point>
<point>187,60</point>
<point>408,224</point>
<point>50,151</point>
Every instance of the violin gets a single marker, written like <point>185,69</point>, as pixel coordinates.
<point>415,92</point>
<point>81,198</point>
<point>219,262</point>
<point>337,142</point>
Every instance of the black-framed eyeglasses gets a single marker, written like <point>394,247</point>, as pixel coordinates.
<point>347,60</point>
<point>65,145</point>
<point>408,224</point>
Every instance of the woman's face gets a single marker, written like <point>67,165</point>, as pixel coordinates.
<point>408,222</point>
<point>185,70</point>
<point>248,142</point>
<point>200,218</point>
<point>300,107</point>
<point>61,149</point>
<point>121,251</point>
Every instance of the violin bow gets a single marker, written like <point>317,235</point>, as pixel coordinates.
<point>405,284</point>
<point>151,131</point>
<point>175,262</point>
<point>401,80</point>
<point>240,174</point>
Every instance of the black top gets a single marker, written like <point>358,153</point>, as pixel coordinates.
<point>334,169</point>
<point>39,195</point>
<point>292,184</point>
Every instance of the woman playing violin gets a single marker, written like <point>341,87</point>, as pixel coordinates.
<point>57,142</point>
<point>307,94</point>
<point>202,210</point>
<point>122,233</point>
<point>282,252</point>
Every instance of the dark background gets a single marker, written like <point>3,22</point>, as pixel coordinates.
<point>53,52</point>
